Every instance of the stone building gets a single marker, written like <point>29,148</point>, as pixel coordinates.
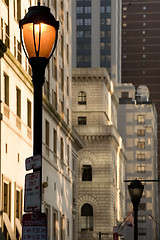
<point>137,124</point>
<point>101,164</point>
<point>60,141</point>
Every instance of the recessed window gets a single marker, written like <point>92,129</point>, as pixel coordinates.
<point>125,94</point>
<point>87,217</point>
<point>140,119</point>
<point>86,173</point>
<point>140,132</point>
<point>82,97</point>
<point>141,218</point>
<point>82,120</point>
<point>141,168</point>
<point>141,156</point>
<point>142,231</point>
<point>141,145</point>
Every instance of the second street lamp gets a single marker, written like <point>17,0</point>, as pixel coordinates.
<point>135,191</point>
<point>39,34</point>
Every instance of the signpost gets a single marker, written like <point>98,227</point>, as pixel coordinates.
<point>34,226</point>
<point>32,201</point>
<point>115,233</point>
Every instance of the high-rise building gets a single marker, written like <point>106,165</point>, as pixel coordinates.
<point>101,163</point>
<point>137,124</point>
<point>60,141</point>
<point>97,35</point>
<point>141,47</point>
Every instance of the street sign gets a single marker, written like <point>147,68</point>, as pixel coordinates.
<point>34,226</point>
<point>32,201</point>
<point>33,162</point>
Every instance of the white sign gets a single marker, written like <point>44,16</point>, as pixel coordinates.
<point>33,162</point>
<point>32,192</point>
<point>34,226</point>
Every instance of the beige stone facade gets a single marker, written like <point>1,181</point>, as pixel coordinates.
<point>101,164</point>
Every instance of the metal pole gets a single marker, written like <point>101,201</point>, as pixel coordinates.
<point>38,69</point>
<point>135,221</point>
<point>99,235</point>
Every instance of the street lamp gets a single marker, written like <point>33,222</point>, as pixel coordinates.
<point>39,34</point>
<point>135,191</point>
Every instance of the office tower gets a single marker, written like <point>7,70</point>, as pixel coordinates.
<point>140,48</point>
<point>101,163</point>
<point>97,35</point>
<point>137,124</point>
<point>60,141</point>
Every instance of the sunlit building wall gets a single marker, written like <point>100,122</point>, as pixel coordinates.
<point>101,163</point>
<point>60,141</point>
<point>137,124</point>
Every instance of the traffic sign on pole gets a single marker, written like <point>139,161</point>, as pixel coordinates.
<point>32,201</point>
<point>34,226</point>
<point>33,162</point>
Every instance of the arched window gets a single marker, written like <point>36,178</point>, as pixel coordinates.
<point>87,217</point>
<point>86,173</point>
<point>82,98</point>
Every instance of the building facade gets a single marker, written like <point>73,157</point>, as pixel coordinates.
<point>140,48</point>
<point>137,124</point>
<point>101,163</point>
<point>60,141</point>
<point>97,35</point>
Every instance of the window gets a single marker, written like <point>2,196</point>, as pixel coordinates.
<point>68,86</point>
<point>142,231</point>
<point>29,111</point>
<point>55,225</point>
<point>6,89</point>
<point>55,141</point>
<point>79,34</point>
<point>47,208</point>
<point>142,206</point>
<point>62,149</point>
<point>141,168</point>
<point>87,9</point>
<point>18,204</point>
<point>140,132</point>
<point>140,119</point>
<point>18,102</point>
<point>19,50</point>
<point>141,145</point>
<point>141,157</point>
<point>108,10</point>
<point>125,94</point>
<point>67,227</point>
<point>86,173</point>
<point>102,9</point>
<point>87,217</point>
<point>82,120</point>
<point>79,9</point>
<point>87,22</point>
<point>79,22</point>
<point>7,198</point>
<point>141,218</point>
<point>17,9</point>
<point>47,134</point>
<point>68,155</point>
<point>67,116</point>
<point>62,227</point>
<point>82,98</point>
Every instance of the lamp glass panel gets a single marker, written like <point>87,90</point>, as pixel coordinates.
<point>46,38</point>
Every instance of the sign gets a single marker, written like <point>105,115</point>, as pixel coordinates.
<point>115,233</point>
<point>34,226</point>
<point>33,162</point>
<point>32,192</point>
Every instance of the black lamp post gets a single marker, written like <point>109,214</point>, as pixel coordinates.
<point>135,191</point>
<point>39,34</point>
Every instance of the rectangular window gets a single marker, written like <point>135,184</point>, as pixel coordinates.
<point>141,218</point>
<point>18,204</point>
<point>141,156</point>
<point>140,119</point>
<point>86,173</point>
<point>82,120</point>
<point>141,168</point>
<point>62,227</point>
<point>55,225</point>
<point>29,113</point>
<point>18,102</point>
<point>48,219</point>
<point>62,149</point>
<point>142,231</point>
<point>140,132</point>
<point>67,227</point>
<point>47,133</point>
<point>125,94</point>
<point>67,116</point>
<point>7,198</point>
<point>55,141</point>
<point>6,89</point>
<point>140,145</point>
<point>68,155</point>
<point>68,86</point>
<point>17,9</point>
<point>19,54</point>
